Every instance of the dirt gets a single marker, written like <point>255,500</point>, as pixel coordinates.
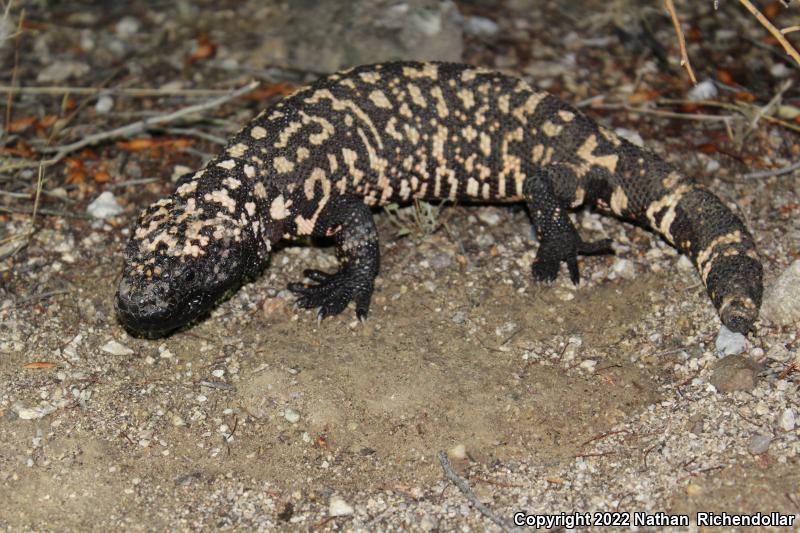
<point>549,398</point>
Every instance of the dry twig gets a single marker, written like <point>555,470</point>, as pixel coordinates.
<point>463,486</point>
<point>17,37</point>
<point>134,92</point>
<point>681,40</point>
<point>128,130</point>
<point>778,34</point>
<point>773,172</point>
<point>145,124</point>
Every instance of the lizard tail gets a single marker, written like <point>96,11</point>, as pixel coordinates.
<point>717,241</point>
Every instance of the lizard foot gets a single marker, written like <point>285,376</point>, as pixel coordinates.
<point>332,292</point>
<point>552,252</point>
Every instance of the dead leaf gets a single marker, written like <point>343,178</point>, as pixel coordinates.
<point>102,176</point>
<point>76,172</point>
<point>46,122</point>
<point>20,150</point>
<point>266,92</point>
<point>724,76</point>
<point>21,124</point>
<point>708,148</point>
<point>40,365</point>
<point>205,49</point>
<point>641,97</point>
<point>139,145</point>
<point>772,10</point>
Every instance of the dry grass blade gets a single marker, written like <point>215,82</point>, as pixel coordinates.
<point>17,35</point>
<point>681,40</point>
<point>128,130</point>
<point>15,242</point>
<point>778,34</point>
<point>465,489</point>
<point>134,92</point>
<point>143,125</point>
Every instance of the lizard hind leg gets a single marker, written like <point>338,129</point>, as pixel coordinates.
<point>350,223</point>
<point>559,241</point>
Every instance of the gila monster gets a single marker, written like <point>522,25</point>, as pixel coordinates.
<point>315,163</point>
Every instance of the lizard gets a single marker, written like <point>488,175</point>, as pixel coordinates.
<point>320,160</point>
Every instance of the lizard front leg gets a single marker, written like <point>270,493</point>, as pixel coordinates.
<point>352,227</point>
<point>558,239</point>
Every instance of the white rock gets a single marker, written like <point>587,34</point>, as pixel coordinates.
<point>104,104</point>
<point>489,216</point>
<point>459,451</point>
<point>339,507</point>
<point>729,342</point>
<point>62,70</point>
<point>291,415</point>
<point>481,26</point>
<point>127,27</point>
<point>685,264</point>
<point>624,268</point>
<point>759,444</point>
<point>712,165</point>
<point>32,413</point>
<point>116,348</point>
<point>104,206</point>
<point>787,419</point>
<point>630,136</point>
<point>779,70</point>
<point>705,90</point>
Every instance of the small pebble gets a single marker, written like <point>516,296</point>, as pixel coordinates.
<point>735,373</point>
<point>291,415</point>
<point>787,419</point>
<point>624,268</point>
<point>440,260</point>
<point>705,90</point>
<point>630,136</point>
<point>127,27</point>
<point>778,352</point>
<point>485,240</point>
<point>729,342</point>
<point>60,71</point>
<point>693,489</point>
<point>104,104</point>
<point>685,264</point>
<point>32,413</point>
<point>481,27</point>
<point>489,216</point>
<point>779,70</point>
<point>339,507</point>
<point>459,451</point>
<point>116,348</point>
<point>104,206</point>
<point>759,444</point>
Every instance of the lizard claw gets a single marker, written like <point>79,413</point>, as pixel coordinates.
<point>552,252</point>
<point>332,292</point>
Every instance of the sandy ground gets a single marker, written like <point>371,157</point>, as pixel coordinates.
<point>609,396</point>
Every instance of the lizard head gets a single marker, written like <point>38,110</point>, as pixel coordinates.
<point>183,256</point>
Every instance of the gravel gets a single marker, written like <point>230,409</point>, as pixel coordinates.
<point>606,396</point>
